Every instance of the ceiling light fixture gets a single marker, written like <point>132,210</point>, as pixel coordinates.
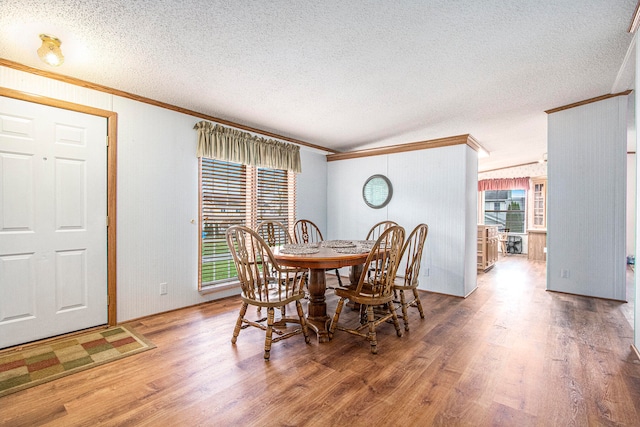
<point>482,153</point>
<point>50,51</point>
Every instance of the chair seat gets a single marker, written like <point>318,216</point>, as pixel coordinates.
<point>273,300</point>
<point>403,287</point>
<point>362,297</point>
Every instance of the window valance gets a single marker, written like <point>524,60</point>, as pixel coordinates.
<point>503,184</point>
<point>232,145</point>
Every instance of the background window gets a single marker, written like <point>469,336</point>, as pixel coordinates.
<point>234,194</point>
<point>506,209</point>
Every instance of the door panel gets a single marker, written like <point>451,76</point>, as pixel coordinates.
<point>16,181</point>
<point>70,191</point>
<point>17,293</point>
<point>53,206</point>
<point>71,280</point>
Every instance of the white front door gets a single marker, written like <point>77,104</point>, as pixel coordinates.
<point>53,232</point>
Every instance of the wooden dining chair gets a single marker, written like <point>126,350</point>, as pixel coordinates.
<point>305,231</point>
<point>503,239</point>
<point>251,255</point>
<point>274,233</point>
<point>411,257</point>
<point>377,229</point>
<point>375,289</point>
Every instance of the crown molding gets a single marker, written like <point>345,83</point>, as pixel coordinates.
<point>412,146</point>
<point>588,101</point>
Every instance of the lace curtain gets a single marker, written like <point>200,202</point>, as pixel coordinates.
<point>232,145</point>
<point>504,184</point>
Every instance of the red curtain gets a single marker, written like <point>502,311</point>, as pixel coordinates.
<point>504,184</point>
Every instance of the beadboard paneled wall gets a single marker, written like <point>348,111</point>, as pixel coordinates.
<point>348,217</point>
<point>636,120</point>
<point>311,188</point>
<point>631,204</point>
<point>587,199</point>
<point>157,200</point>
<point>435,186</point>
<point>157,197</point>
<point>470,181</point>
<point>30,83</point>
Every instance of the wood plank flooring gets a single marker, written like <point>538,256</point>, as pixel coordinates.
<point>510,354</point>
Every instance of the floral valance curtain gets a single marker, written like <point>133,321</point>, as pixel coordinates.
<point>232,145</point>
<point>503,184</point>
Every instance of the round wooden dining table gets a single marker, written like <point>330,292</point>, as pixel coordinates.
<point>317,263</point>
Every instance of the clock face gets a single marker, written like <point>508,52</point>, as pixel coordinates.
<point>377,191</point>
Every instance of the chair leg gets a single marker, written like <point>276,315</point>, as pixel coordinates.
<point>303,322</point>
<point>236,330</point>
<point>416,295</point>
<point>336,316</point>
<point>394,316</point>
<point>267,341</point>
<point>403,305</point>
<point>364,319</point>
<point>338,276</point>
<point>372,330</point>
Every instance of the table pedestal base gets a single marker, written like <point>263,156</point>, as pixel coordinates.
<point>320,327</point>
<point>317,319</point>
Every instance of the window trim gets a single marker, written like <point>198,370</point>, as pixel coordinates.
<point>539,181</point>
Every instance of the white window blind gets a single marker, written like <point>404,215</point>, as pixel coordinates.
<point>233,194</point>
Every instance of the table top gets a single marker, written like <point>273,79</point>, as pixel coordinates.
<point>326,257</point>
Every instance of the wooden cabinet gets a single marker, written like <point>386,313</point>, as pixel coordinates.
<point>487,246</point>
<point>537,244</point>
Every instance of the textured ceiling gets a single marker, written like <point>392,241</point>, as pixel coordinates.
<point>346,74</point>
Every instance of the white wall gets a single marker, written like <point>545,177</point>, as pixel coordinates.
<point>436,186</point>
<point>631,204</point>
<point>157,202</point>
<point>311,188</point>
<point>348,217</point>
<point>636,111</point>
<point>587,168</point>
<point>631,173</point>
<point>157,196</point>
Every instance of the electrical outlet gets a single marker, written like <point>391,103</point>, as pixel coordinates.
<point>564,274</point>
<point>163,288</point>
<point>426,273</point>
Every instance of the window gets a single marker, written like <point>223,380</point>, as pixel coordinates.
<point>234,194</point>
<point>506,209</point>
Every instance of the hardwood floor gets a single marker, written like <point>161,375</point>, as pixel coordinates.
<point>510,354</point>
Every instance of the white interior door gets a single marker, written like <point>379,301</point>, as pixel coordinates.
<point>53,232</point>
